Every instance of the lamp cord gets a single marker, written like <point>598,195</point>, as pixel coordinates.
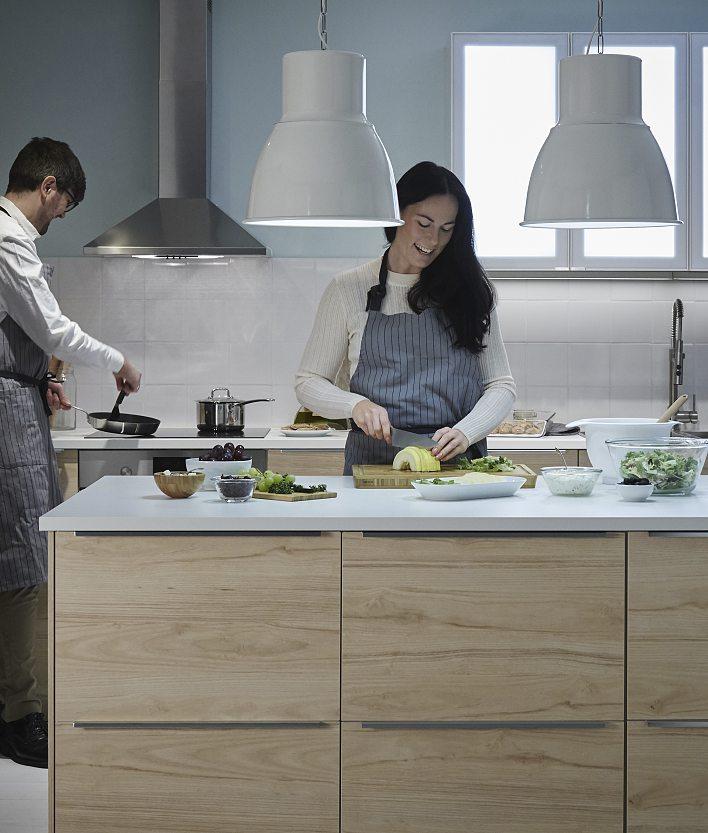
<point>598,30</point>
<point>322,24</point>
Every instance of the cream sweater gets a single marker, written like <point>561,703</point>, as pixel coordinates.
<point>332,352</point>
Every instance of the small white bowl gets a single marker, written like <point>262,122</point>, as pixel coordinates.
<point>215,468</point>
<point>634,493</point>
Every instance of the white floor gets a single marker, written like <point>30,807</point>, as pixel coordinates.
<point>23,798</point>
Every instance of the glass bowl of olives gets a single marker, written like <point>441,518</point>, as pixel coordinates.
<point>220,459</point>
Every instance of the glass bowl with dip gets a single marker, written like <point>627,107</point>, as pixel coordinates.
<point>571,481</point>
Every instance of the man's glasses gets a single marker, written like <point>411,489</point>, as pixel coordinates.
<point>73,202</point>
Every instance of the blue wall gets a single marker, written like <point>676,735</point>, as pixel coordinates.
<point>86,71</point>
<point>407,46</point>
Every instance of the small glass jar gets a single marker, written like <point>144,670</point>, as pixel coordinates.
<point>66,420</point>
<point>234,489</point>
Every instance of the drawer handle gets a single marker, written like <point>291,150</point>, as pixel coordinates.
<point>488,534</point>
<point>678,534</point>
<point>204,725</point>
<point>678,724</point>
<point>486,724</point>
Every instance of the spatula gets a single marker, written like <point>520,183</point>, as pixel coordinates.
<point>119,399</point>
<point>674,408</point>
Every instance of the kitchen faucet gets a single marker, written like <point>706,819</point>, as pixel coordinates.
<point>676,362</point>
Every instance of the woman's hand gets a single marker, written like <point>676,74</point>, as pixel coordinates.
<point>450,443</point>
<point>373,420</point>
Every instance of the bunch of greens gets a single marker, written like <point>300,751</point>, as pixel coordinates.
<point>487,464</point>
<point>438,481</point>
<point>668,472</point>
<point>282,484</point>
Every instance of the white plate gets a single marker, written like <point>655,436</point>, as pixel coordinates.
<point>321,432</point>
<point>506,487</point>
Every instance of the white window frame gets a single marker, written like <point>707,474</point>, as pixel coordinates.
<point>678,40</point>
<point>558,40</point>
<point>698,41</point>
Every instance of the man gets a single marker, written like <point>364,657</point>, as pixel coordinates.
<point>46,182</point>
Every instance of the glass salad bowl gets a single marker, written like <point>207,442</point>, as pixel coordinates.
<point>672,465</point>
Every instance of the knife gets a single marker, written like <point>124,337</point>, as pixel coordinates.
<point>401,439</point>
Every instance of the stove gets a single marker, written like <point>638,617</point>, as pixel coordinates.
<point>176,433</point>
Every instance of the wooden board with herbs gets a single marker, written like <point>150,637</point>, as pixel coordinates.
<point>384,477</point>
<point>295,496</point>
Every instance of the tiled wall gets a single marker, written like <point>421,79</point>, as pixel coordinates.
<point>580,347</point>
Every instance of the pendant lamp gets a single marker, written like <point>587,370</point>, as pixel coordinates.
<point>323,164</point>
<point>600,166</point>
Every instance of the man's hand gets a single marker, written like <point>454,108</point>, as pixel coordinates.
<point>128,378</point>
<point>450,443</point>
<point>373,420</point>
<point>56,398</point>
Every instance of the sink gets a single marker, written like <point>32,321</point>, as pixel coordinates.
<point>701,435</point>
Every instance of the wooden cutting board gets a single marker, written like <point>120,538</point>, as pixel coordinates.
<point>384,477</point>
<point>294,497</point>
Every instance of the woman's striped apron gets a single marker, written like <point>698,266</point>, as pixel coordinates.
<point>410,366</point>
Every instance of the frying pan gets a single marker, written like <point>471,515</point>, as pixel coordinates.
<point>116,423</point>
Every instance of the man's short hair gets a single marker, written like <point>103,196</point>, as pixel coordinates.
<point>43,157</point>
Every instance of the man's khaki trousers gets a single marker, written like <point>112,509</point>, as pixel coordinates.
<point>18,683</point>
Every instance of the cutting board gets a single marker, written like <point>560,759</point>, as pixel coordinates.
<point>294,497</point>
<point>384,477</point>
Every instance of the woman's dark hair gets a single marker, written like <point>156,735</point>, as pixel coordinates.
<point>41,158</point>
<point>455,282</point>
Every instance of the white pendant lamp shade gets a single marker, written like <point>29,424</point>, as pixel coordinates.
<point>323,164</point>
<point>600,166</point>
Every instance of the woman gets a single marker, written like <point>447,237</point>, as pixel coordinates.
<point>419,332</point>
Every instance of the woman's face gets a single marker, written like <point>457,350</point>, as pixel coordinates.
<point>427,230</point>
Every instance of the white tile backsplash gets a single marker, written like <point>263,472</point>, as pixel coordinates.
<point>580,347</point>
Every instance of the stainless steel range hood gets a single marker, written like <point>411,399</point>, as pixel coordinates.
<point>182,221</point>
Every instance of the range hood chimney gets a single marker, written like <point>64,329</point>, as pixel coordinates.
<point>182,222</point>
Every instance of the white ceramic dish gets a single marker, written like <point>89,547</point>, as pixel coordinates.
<point>506,487</point>
<point>321,432</point>
<point>634,493</point>
<point>215,468</point>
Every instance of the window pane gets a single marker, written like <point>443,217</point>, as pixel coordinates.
<point>704,150</point>
<point>659,112</point>
<point>510,105</point>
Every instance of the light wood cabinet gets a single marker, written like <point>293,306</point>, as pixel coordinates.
<point>197,627</point>
<point>537,459</point>
<point>200,780</point>
<point>667,626</point>
<point>68,465</point>
<point>667,778</point>
<point>305,462</point>
<point>416,780</point>
<point>498,627</point>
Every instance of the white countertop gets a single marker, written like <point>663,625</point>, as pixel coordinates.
<point>134,504</point>
<point>78,439</point>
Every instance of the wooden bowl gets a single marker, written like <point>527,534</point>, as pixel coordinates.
<point>179,484</point>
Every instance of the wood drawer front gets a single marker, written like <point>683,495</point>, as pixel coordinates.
<point>307,462</point>
<point>667,648</point>
<point>487,781</point>
<point>495,628</point>
<point>536,459</point>
<point>197,628</point>
<point>251,780</point>
<point>68,465</point>
<point>667,779</point>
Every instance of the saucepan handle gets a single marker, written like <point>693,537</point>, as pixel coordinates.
<point>250,401</point>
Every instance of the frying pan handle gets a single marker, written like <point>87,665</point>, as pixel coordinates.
<point>76,408</point>
<point>119,400</point>
<point>250,401</point>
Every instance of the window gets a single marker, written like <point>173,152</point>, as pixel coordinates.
<point>504,104</point>
<point>699,152</point>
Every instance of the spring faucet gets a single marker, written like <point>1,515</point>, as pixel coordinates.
<point>676,360</point>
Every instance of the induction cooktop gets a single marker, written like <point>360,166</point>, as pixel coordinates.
<point>177,433</point>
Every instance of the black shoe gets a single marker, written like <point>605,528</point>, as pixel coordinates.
<point>25,741</point>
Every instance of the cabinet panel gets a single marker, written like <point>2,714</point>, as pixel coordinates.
<point>252,780</point>
<point>667,649</point>
<point>68,465</point>
<point>496,628</point>
<point>667,779</point>
<point>536,459</point>
<point>197,627</point>
<point>486,781</point>
<point>311,463</point>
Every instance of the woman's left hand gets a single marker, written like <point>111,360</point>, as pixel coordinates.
<point>450,443</point>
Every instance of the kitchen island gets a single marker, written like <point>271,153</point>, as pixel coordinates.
<point>378,663</point>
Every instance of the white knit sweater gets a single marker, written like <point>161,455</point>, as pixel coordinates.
<point>332,352</point>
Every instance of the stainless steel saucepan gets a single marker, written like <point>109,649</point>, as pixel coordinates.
<point>222,413</point>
